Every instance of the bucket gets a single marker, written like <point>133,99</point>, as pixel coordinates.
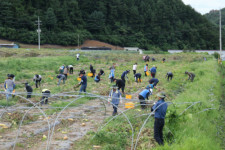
<point>78,79</point>
<point>90,74</point>
<point>129,105</point>
<point>147,73</point>
<point>128,96</point>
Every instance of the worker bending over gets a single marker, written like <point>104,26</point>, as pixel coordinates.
<point>45,95</point>
<point>120,84</point>
<point>169,76</point>
<point>137,77</point>
<point>124,75</point>
<point>37,79</point>
<point>191,76</point>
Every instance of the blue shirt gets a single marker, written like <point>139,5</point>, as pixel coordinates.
<point>160,112</point>
<point>97,78</point>
<point>115,97</point>
<point>145,68</point>
<point>153,69</point>
<point>145,93</point>
<point>84,80</point>
<point>112,72</point>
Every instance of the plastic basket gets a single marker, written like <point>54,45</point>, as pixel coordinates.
<point>78,79</point>
<point>90,74</point>
<point>128,96</point>
<point>129,105</point>
<point>147,73</point>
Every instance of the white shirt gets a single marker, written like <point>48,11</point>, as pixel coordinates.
<point>70,66</point>
<point>134,67</point>
<point>78,55</point>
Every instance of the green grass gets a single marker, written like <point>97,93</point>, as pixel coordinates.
<point>189,131</point>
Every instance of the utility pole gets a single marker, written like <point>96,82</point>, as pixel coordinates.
<point>78,40</point>
<point>220,37</point>
<point>39,33</point>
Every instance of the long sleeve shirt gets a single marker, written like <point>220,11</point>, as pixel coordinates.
<point>115,97</point>
<point>9,84</point>
<point>145,94</point>
<point>160,112</point>
<point>153,70</point>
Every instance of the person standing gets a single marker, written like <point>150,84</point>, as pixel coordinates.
<point>134,68</point>
<point>160,112</point>
<point>142,96</point>
<point>37,79</point>
<point>146,69</point>
<point>115,97</point>
<point>153,71</point>
<point>120,84</point>
<point>83,82</point>
<point>9,86</point>
<point>78,56</point>
<point>124,75</point>
<point>169,76</point>
<point>112,74</point>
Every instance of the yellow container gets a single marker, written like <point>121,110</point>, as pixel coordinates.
<point>90,74</point>
<point>129,105</point>
<point>147,73</point>
<point>78,79</point>
<point>128,96</point>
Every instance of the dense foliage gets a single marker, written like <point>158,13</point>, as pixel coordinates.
<point>213,16</point>
<point>149,24</point>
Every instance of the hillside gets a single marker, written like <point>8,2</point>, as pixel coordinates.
<point>213,16</point>
<point>147,24</point>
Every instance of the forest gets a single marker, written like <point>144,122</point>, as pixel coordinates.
<point>148,24</point>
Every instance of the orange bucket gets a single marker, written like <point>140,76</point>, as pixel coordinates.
<point>129,105</point>
<point>128,96</point>
<point>78,79</point>
<point>147,73</point>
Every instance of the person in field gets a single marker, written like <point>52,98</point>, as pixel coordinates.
<point>112,74</point>
<point>61,77</point>
<point>92,71</point>
<point>124,75</point>
<point>120,84</point>
<point>169,76</point>
<point>70,69</point>
<point>83,81</point>
<point>142,96</point>
<point>101,72</point>
<point>45,95</point>
<point>191,75</point>
<point>153,71</point>
<point>160,109</point>
<point>134,68</point>
<point>114,97</point>
<point>97,78</point>
<point>137,77</point>
<point>9,86</point>
<point>29,90</point>
<point>146,69</point>
<point>37,79</point>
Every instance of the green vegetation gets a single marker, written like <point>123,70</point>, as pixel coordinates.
<point>149,24</point>
<point>196,128</point>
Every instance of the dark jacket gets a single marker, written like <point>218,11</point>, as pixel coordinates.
<point>28,88</point>
<point>154,81</point>
<point>120,83</point>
